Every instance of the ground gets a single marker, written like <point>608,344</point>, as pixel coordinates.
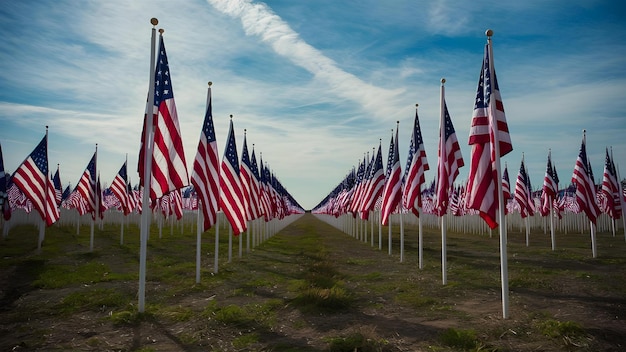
<point>312,287</point>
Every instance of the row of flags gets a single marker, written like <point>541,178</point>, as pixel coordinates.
<point>490,140</point>
<point>244,192</point>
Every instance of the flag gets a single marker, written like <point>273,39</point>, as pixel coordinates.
<point>392,194</point>
<point>169,170</point>
<point>506,185</point>
<point>205,177</point>
<point>488,122</point>
<point>231,196</point>
<point>119,187</point>
<point>610,188</point>
<point>585,188</point>
<point>414,174</point>
<point>376,185</point>
<point>522,192</point>
<point>100,198</point>
<point>256,186</point>
<point>87,187</point>
<point>32,178</point>
<point>5,207</point>
<point>58,189</point>
<point>246,178</point>
<point>449,162</point>
<point>264,194</point>
<point>550,188</point>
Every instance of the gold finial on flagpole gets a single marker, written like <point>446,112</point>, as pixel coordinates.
<point>443,80</point>
<point>161,30</point>
<point>489,33</point>
<point>210,83</point>
<point>154,21</point>
<point>416,105</point>
<point>231,116</point>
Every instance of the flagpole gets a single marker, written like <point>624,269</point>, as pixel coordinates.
<point>200,216</point>
<point>42,226</point>
<point>147,171</point>
<point>444,234</point>
<point>217,242</point>
<point>504,270</point>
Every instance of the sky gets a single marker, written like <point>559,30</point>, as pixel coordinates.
<point>316,84</point>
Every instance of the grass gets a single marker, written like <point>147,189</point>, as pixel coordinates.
<point>299,290</point>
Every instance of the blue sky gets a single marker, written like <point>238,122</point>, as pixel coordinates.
<point>316,83</point>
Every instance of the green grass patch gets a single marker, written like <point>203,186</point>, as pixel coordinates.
<point>326,300</point>
<point>466,340</point>
<point>94,300</point>
<point>57,276</point>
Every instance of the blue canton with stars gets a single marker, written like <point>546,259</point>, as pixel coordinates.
<point>40,155</point>
<point>231,150</point>
<point>162,83</point>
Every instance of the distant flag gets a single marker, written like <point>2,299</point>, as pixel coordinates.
<point>582,178</point>
<point>488,125</point>
<point>550,188</point>
<point>610,188</point>
<point>87,186</point>
<point>5,207</point>
<point>169,170</point>
<point>506,184</point>
<point>205,177</point>
<point>392,194</point>
<point>522,192</point>
<point>376,185</point>
<point>100,198</point>
<point>246,178</point>
<point>231,196</point>
<point>58,188</point>
<point>32,178</point>
<point>414,174</point>
<point>119,187</point>
<point>256,186</point>
<point>66,193</point>
<point>449,162</point>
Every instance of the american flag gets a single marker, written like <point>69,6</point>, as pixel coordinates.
<point>100,198</point>
<point>550,188</point>
<point>522,192</point>
<point>264,193</point>
<point>119,187</point>
<point>87,187</point>
<point>169,170</point>
<point>246,178</point>
<point>360,180</point>
<point>488,121</point>
<point>58,188</point>
<point>32,178</point>
<point>392,195</point>
<point>585,188</point>
<point>506,184</point>
<point>449,162</point>
<point>376,185</point>
<point>231,196</point>
<point>205,176</point>
<point>255,186</point>
<point>414,174</point>
<point>610,188</point>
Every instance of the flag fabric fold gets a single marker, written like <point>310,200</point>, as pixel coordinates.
<point>169,170</point>
<point>449,162</point>
<point>488,124</point>
<point>33,180</point>
<point>392,194</point>
<point>414,173</point>
<point>205,176</point>
<point>231,195</point>
<point>582,178</point>
<point>86,188</point>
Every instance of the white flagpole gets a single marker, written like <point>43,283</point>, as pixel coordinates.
<point>420,243</point>
<point>199,227</point>
<point>621,197</point>
<point>504,270</point>
<point>147,171</point>
<point>401,235</point>
<point>217,242</point>
<point>444,234</point>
